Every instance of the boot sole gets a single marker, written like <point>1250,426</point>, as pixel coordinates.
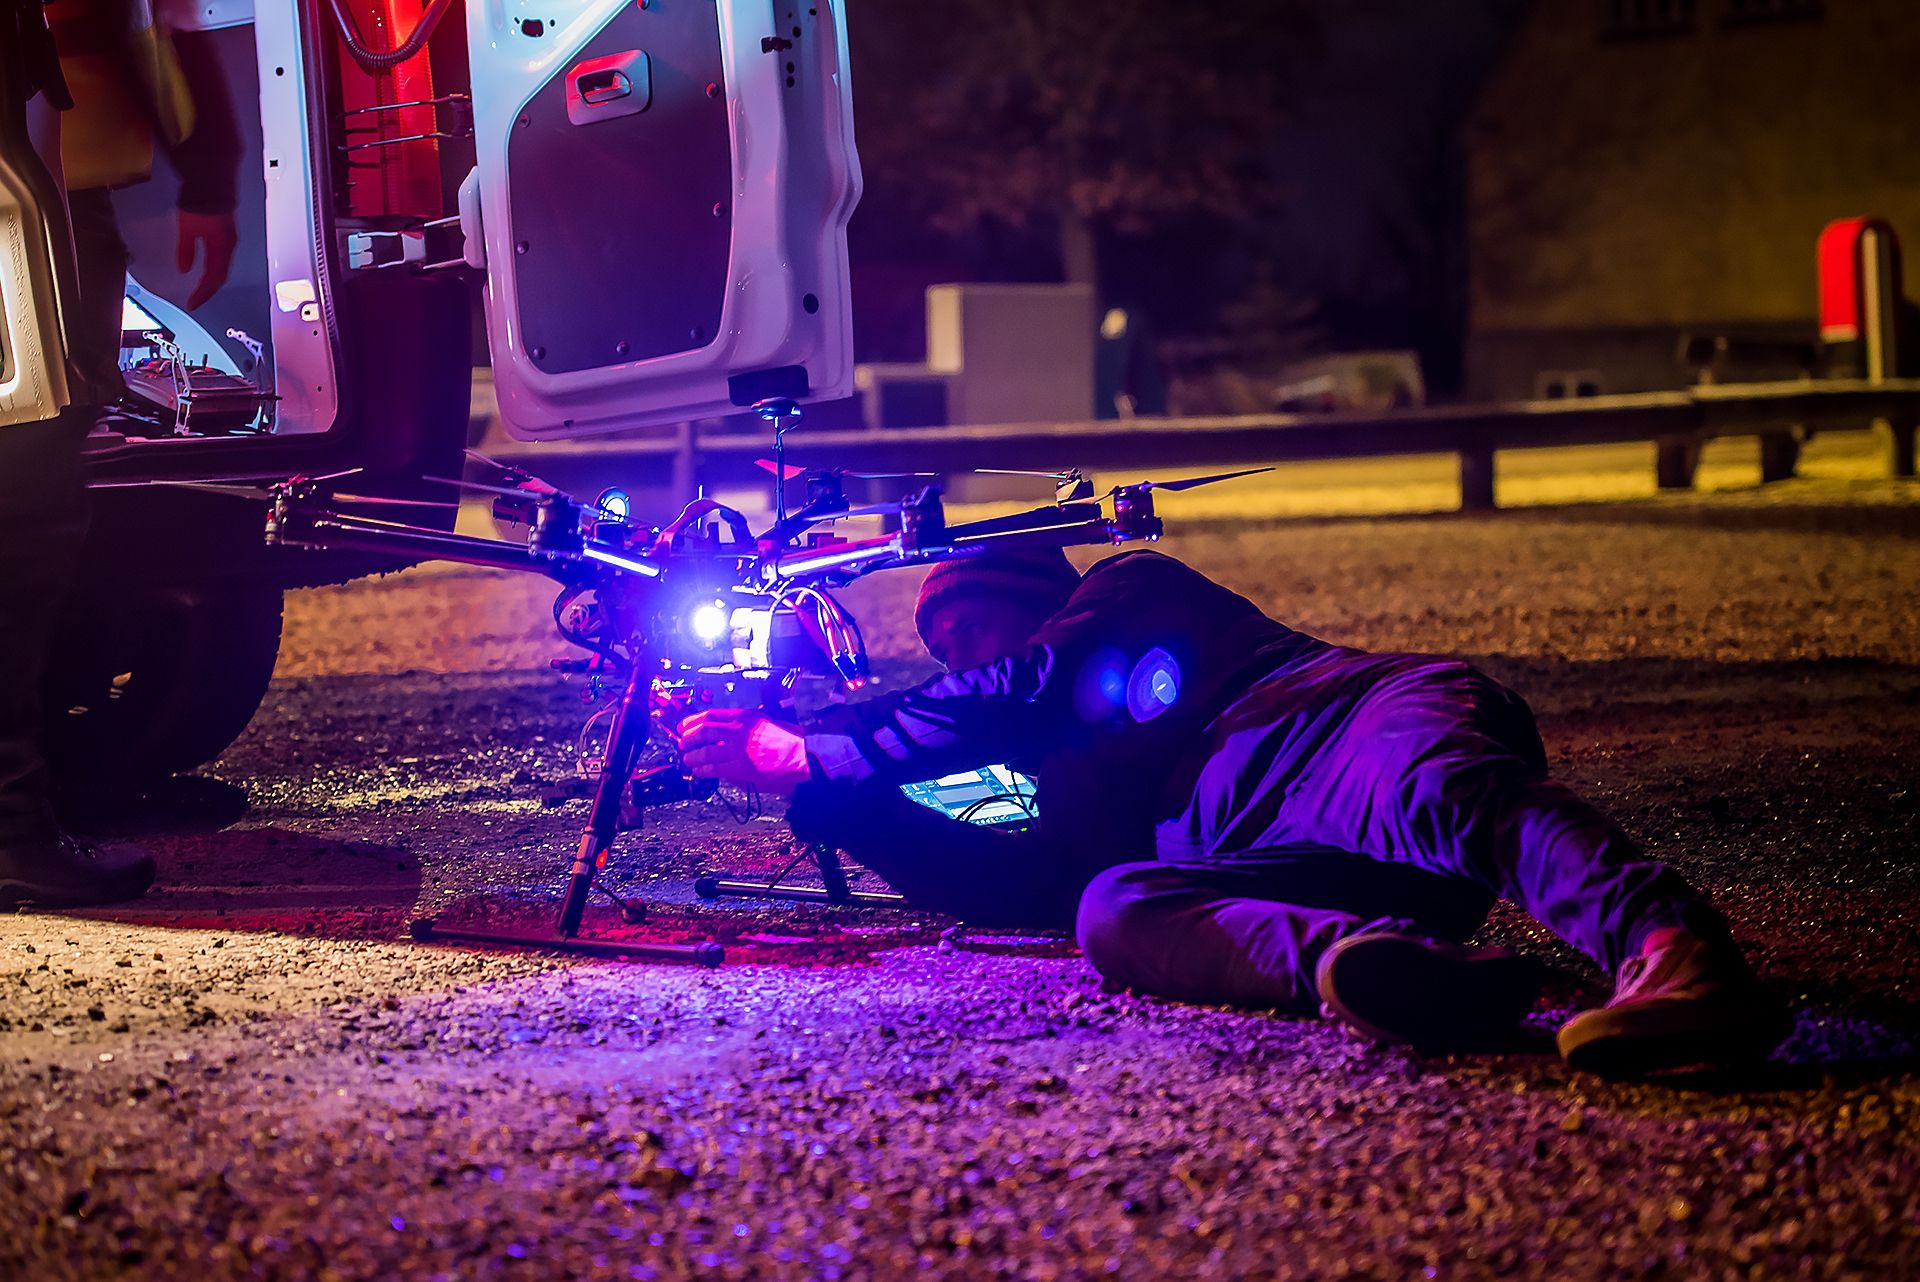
<point>1636,1040</point>
<point>20,894</point>
<point>1399,991</point>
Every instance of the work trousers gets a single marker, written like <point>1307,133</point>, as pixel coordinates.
<point>1352,792</point>
<point>43,520</point>
<point>43,517</point>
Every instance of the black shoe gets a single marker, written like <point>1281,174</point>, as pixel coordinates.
<point>1403,990</point>
<point>65,872</point>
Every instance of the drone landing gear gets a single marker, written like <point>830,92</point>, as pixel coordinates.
<point>832,890</point>
<point>630,727</point>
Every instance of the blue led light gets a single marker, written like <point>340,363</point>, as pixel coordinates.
<point>627,563</point>
<point>1100,689</point>
<point>1153,686</point>
<point>615,502</point>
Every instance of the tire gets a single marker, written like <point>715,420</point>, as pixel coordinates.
<point>156,681</point>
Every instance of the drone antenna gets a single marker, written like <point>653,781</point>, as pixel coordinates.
<point>783,413</point>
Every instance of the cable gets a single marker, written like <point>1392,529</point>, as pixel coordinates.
<point>736,523</point>
<point>586,732</point>
<point>753,808</point>
<point>387,59</point>
<point>1020,799</point>
<point>581,639</point>
<point>828,626</point>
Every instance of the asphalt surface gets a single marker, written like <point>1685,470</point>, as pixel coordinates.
<point>252,1072</point>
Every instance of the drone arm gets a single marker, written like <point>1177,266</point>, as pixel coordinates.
<point>855,558</point>
<point>847,561</point>
<point>299,527</point>
<point>1040,518</point>
<point>1055,536</point>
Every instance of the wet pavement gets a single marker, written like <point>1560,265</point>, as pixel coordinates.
<point>252,1072</point>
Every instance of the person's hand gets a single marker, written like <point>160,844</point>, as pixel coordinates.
<point>745,746</point>
<point>221,235</point>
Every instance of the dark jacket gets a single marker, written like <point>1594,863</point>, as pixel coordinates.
<point>1081,708</point>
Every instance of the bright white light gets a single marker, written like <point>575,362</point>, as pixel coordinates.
<point>709,622</point>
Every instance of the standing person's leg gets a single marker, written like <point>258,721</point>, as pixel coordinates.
<point>43,522</point>
<point>43,518</point>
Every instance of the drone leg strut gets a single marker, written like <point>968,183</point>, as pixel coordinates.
<point>833,887</point>
<point>630,727</point>
<point>832,877</point>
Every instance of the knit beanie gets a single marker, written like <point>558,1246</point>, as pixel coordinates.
<point>1040,579</point>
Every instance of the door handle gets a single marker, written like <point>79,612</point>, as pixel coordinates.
<point>606,88</point>
<point>605,85</point>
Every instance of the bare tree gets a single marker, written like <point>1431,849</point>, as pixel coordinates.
<point>1086,113</point>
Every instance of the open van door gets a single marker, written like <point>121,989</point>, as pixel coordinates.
<point>660,205</point>
<point>35,266</point>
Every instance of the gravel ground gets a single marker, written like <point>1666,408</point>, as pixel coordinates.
<point>250,1072</point>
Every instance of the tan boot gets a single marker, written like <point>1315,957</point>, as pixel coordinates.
<point>1681,1001</point>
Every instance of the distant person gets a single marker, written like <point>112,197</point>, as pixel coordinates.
<point>1127,379</point>
<point>92,83</point>
<point>1231,811</point>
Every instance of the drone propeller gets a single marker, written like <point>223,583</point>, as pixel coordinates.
<point>525,492</point>
<point>1193,483</point>
<point>871,509</point>
<point>214,487</point>
<point>528,480</point>
<point>1068,486</point>
<point>369,498</point>
<point>792,471</point>
<point>255,492</point>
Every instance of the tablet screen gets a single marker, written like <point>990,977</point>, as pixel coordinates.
<point>993,796</point>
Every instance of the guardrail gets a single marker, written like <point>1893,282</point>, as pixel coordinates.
<point>1781,414</point>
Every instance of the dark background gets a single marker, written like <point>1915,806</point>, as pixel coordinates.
<point>1356,240</point>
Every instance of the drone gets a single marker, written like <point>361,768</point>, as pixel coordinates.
<point>702,612</point>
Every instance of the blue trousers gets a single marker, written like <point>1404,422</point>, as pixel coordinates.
<point>1354,791</point>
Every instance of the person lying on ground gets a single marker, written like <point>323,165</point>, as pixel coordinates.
<point>1230,811</point>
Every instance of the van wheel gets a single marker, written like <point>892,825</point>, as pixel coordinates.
<point>156,681</point>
